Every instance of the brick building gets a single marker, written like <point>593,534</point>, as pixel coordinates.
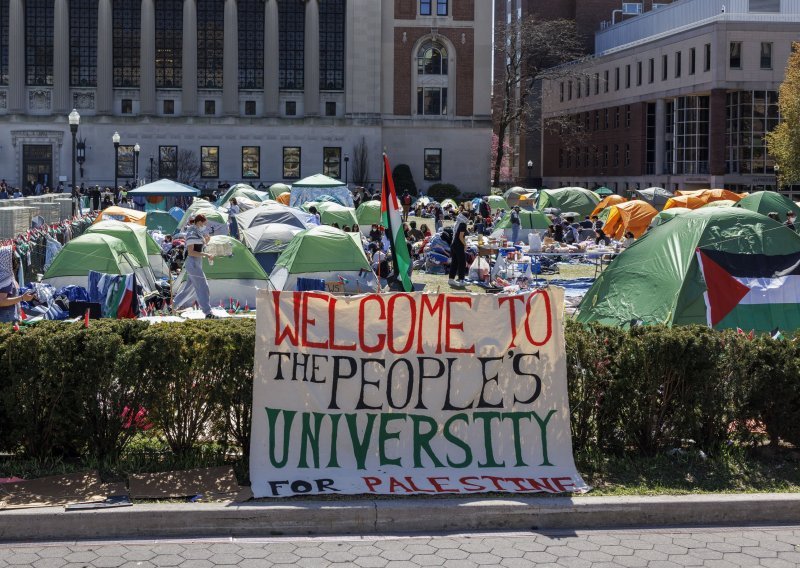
<point>259,90</point>
<point>680,98</point>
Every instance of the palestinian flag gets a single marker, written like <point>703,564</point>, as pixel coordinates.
<point>391,219</point>
<point>751,291</point>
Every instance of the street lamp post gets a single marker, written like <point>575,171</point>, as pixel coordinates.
<point>115,140</point>
<point>530,167</point>
<point>346,172</point>
<point>151,169</point>
<point>74,121</point>
<point>136,150</point>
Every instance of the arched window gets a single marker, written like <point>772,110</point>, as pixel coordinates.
<point>432,59</point>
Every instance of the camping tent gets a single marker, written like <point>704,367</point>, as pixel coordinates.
<point>267,242</point>
<point>276,189</point>
<point>512,195</point>
<point>269,214</point>
<point>177,212</point>
<point>529,222</point>
<point>240,189</point>
<point>161,221</point>
<point>496,202</point>
<point>765,202</point>
<point>331,213</point>
<point>124,214</point>
<point>607,202</point>
<point>312,188</point>
<point>709,195</point>
<point>138,243</point>
<point>94,252</point>
<point>633,216</point>
<point>736,289</point>
<point>603,191</point>
<point>686,201</point>
<point>655,196</point>
<point>197,204</point>
<point>720,203</point>
<point>368,214</point>
<point>164,188</point>
<point>238,276</point>
<point>667,214</point>
<point>284,198</point>
<point>217,219</point>
<point>324,253</point>
<point>450,202</point>
<point>578,199</point>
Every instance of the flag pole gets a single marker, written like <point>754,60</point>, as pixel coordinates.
<point>386,196</point>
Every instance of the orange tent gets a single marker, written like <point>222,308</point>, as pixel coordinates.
<point>710,195</point>
<point>608,202</point>
<point>633,216</point>
<point>687,201</point>
<point>122,214</point>
<point>284,198</point>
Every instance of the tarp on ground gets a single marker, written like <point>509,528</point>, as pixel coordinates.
<point>666,261</point>
<point>115,213</point>
<point>766,202</point>
<point>161,221</point>
<point>326,253</point>
<point>633,216</point>
<point>331,213</point>
<point>607,202</point>
<point>164,188</point>
<point>316,186</point>
<point>273,214</point>
<point>578,199</point>
<point>655,196</point>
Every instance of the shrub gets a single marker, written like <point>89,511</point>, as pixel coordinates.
<point>404,179</point>
<point>439,191</point>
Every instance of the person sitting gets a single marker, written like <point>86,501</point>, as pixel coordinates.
<point>571,236</point>
<point>596,222</point>
<point>426,232</point>
<point>416,234</point>
<point>378,261</point>
<point>628,240</point>
<point>3,193</point>
<point>586,223</point>
<point>558,233</point>
<point>355,228</point>
<point>17,193</point>
<point>166,246</point>
<point>375,234</point>
<point>601,236</point>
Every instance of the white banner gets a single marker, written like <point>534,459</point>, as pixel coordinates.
<point>399,394</point>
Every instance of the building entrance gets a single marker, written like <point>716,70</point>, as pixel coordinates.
<point>37,164</point>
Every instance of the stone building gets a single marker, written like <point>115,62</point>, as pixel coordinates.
<point>257,90</point>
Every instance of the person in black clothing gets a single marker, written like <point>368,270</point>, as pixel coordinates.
<point>375,234</point>
<point>94,193</point>
<point>484,209</point>
<point>458,252</point>
<point>586,223</point>
<point>558,233</point>
<point>790,220</point>
<point>601,236</point>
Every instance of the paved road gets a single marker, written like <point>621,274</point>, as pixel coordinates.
<point>774,547</point>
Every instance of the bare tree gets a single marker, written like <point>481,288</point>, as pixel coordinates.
<point>188,167</point>
<point>531,50</point>
<point>361,163</point>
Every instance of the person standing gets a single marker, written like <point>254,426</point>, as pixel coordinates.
<point>10,298</point>
<point>515,224</point>
<point>438,215</point>
<point>233,211</point>
<point>196,282</point>
<point>406,204</point>
<point>458,252</point>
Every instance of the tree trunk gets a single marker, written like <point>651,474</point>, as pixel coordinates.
<point>498,160</point>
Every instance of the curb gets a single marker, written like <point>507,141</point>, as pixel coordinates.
<point>366,516</point>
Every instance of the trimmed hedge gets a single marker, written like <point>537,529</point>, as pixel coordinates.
<point>67,391</point>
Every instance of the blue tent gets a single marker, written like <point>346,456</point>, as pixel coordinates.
<point>177,212</point>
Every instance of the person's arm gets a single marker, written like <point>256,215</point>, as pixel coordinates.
<point>8,301</point>
<point>199,253</point>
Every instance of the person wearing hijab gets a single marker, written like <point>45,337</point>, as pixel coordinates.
<point>458,252</point>
<point>10,298</point>
<point>196,282</point>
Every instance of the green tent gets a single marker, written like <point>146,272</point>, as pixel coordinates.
<point>197,204</point>
<point>331,213</point>
<point>668,214</point>
<point>369,213</point>
<point>243,192</point>
<point>603,191</point>
<point>217,219</point>
<point>225,197</point>
<point>324,253</point>
<point>665,261</point>
<point>276,189</point>
<point>136,240</point>
<point>720,203</point>
<point>527,220</point>
<point>93,252</point>
<point>577,199</point>
<point>497,202</point>
<point>161,221</point>
<point>765,202</point>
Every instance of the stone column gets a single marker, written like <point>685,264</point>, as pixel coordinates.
<point>105,63</point>
<point>16,56</point>
<point>147,59</point>
<point>230,61</point>
<point>661,132</point>
<point>311,63</point>
<point>272,95</point>
<point>189,58</point>
<point>61,78</point>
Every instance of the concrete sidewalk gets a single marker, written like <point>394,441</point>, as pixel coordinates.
<point>368,516</point>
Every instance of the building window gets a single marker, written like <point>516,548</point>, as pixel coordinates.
<point>432,101</point>
<point>38,42</point>
<point>764,6</point>
<point>330,108</point>
<point>578,83</point>
<point>707,58</point>
<point>209,161</point>
<point>597,83</point>
<point>605,156</point>
<point>169,106</point>
<point>125,159</point>
<point>616,117</point>
<point>432,62</point>
<point>426,7</point>
<point>627,116</point>
<point>587,121</point>
<point>627,76</point>
<point>691,136</point>
<point>292,22</point>
<point>597,120</point>
<point>638,73</point>
<point>331,45</point>
<point>291,108</point>
<point>664,67</point>
<point>251,44</point>
<point>678,57</point>
<point>250,108</point>
<point>766,55</point>
<point>126,43</point>
<point>332,162</point>
<point>4,23</point>
<point>126,106</point>
<point>616,155</point>
<point>616,79</point>
<point>692,60</point>
<point>750,115</point>
<point>561,158</point>
<point>605,120</point>
<point>588,85</point>
<point>251,162</point>
<point>569,91</point>
<point>735,57</point>
<point>169,43</point>
<point>605,81</point>
<point>627,154</point>
<point>210,107</point>
<point>210,38</point>
<point>432,59</point>
<point>168,162</point>
<point>291,162</point>
<point>561,86</point>
<point>82,43</point>
<point>433,164</point>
